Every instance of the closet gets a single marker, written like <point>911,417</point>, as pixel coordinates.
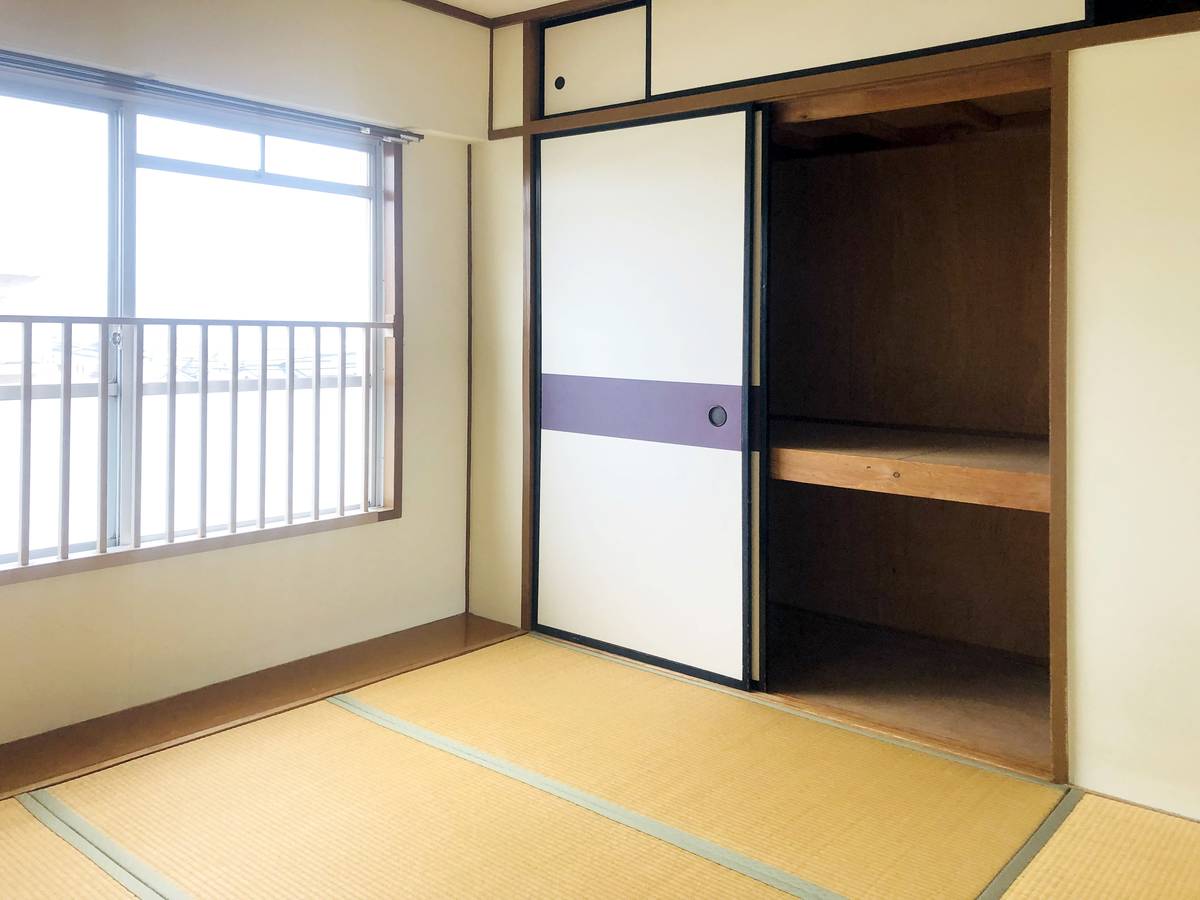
<point>907,562</point>
<point>793,400</point>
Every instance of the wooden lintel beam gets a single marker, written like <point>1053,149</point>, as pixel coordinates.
<point>946,87</point>
<point>531,70</point>
<point>455,12</point>
<point>553,11</point>
<point>536,15</point>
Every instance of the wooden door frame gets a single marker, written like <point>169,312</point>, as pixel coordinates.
<point>1059,112</point>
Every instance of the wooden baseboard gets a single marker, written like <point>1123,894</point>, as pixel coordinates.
<point>75,750</point>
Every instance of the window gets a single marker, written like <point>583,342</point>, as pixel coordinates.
<point>51,263</point>
<point>223,278</point>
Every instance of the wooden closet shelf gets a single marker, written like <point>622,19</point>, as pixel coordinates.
<point>988,471</point>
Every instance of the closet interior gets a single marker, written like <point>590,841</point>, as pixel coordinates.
<point>907,336</point>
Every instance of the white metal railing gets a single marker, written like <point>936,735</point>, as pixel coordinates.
<point>125,339</point>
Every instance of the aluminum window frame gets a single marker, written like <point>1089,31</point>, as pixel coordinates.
<point>122,107</point>
<point>264,127</point>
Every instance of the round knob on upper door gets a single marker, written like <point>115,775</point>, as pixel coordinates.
<point>560,83</point>
<point>717,416</point>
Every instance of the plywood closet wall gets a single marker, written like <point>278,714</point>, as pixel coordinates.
<point>977,574</point>
<point>919,294</point>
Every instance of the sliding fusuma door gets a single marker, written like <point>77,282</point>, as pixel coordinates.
<point>643,299</point>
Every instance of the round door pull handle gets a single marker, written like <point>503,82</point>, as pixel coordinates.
<point>717,416</point>
<point>560,83</point>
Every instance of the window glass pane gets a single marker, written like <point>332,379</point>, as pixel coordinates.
<point>187,431</point>
<point>217,438</point>
<point>45,438</point>
<point>53,209</point>
<point>154,432</point>
<point>187,455</point>
<point>10,425</point>
<point>85,454</point>
<point>197,143</point>
<point>305,159</point>
<point>211,248</point>
<point>268,253</point>
<point>247,425</point>
<point>205,248</point>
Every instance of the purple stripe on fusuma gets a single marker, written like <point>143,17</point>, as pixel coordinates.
<point>669,412</point>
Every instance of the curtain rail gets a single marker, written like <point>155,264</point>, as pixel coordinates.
<point>121,85</point>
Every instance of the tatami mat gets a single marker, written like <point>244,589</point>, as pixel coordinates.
<point>1107,849</point>
<point>319,802</point>
<point>861,817</point>
<point>37,863</point>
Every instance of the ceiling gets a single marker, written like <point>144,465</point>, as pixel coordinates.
<point>494,8</point>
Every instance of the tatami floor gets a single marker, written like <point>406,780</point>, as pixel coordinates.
<point>532,768</point>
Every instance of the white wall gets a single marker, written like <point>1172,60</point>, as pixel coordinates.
<point>381,61</point>
<point>706,42</point>
<point>80,646</point>
<point>508,76</point>
<point>497,407</point>
<point>1134,421</point>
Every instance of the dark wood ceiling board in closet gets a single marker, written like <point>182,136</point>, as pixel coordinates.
<point>969,85</point>
<point>915,126</point>
<point>913,289</point>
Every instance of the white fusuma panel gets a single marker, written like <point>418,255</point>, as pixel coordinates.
<point>595,61</point>
<point>643,253</point>
<point>644,551</point>
<point>642,519</point>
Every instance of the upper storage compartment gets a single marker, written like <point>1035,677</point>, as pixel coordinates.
<point>910,290</point>
<point>598,60</point>
<point>700,43</point>
<point>908,338</point>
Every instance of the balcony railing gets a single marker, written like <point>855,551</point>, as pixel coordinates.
<point>121,391</point>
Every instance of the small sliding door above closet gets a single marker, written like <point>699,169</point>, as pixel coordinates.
<point>643,299</point>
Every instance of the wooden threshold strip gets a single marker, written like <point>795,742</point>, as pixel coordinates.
<point>1013,473</point>
<point>934,742</point>
<point>74,750</point>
